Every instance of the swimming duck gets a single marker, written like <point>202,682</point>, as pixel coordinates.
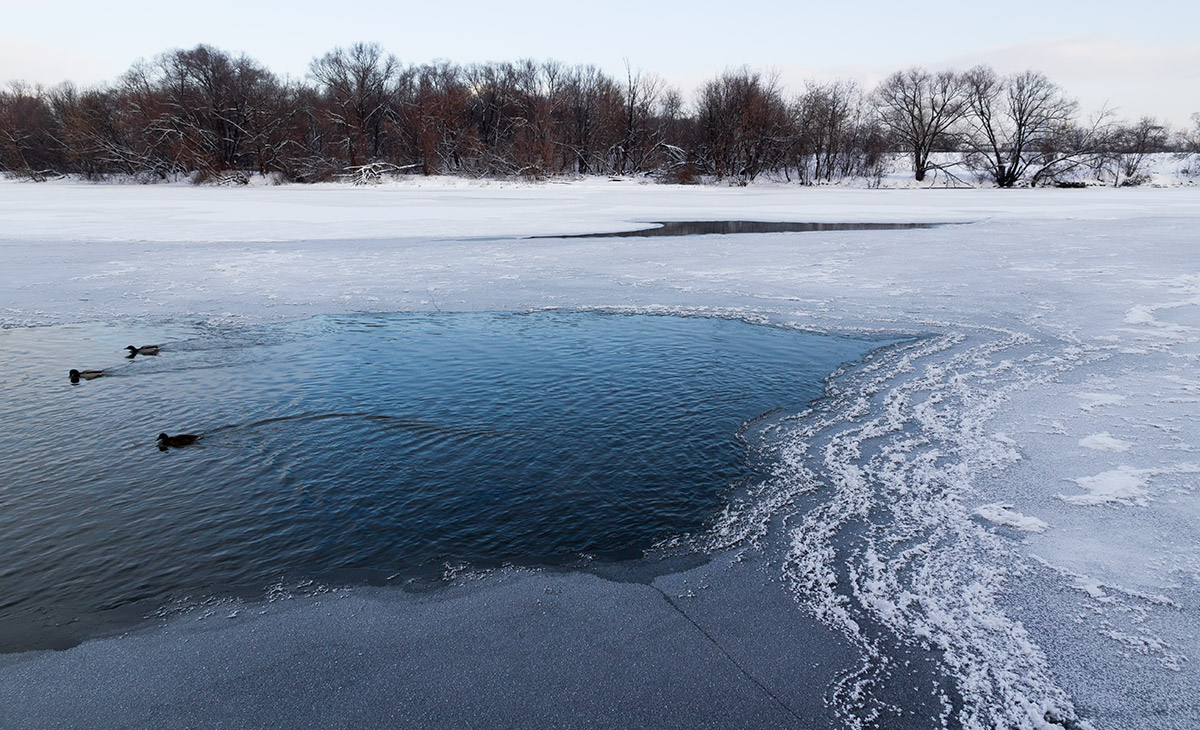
<point>179,439</point>
<point>75,375</point>
<point>143,350</point>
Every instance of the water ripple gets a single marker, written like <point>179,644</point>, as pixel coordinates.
<point>370,443</point>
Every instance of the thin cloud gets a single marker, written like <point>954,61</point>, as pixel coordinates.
<point>1089,58</point>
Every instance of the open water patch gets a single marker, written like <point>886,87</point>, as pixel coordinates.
<point>344,447</point>
<point>704,228</point>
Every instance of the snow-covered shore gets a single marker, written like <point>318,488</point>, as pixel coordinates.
<point>1015,487</point>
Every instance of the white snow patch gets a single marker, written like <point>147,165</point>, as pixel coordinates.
<point>1141,314</point>
<point>1104,442</point>
<point>1092,587</point>
<point>1123,484</point>
<point>1004,514</point>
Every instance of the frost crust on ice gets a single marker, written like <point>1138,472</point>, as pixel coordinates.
<point>904,506</point>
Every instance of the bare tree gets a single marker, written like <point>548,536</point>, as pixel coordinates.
<point>92,133</point>
<point>919,109</point>
<point>836,134</point>
<point>744,124</point>
<point>356,86</point>
<point>1192,137</point>
<point>1125,149</point>
<point>27,132</point>
<point>189,110</point>
<point>1019,127</point>
<point>493,114</point>
<point>434,114</point>
<point>589,113</point>
<point>642,131</point>
<point>1187,146</point>
<point>537,92</point>
<point>205,111</point>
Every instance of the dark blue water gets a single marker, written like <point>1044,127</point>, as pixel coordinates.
<point>372,443</point>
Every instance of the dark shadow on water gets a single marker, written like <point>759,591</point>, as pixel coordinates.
<point>703,228</point>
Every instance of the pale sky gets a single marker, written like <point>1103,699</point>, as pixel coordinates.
<point>1143,58</point>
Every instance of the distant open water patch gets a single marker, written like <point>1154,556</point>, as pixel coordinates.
<point>705,228</point>
<point>353,448</point>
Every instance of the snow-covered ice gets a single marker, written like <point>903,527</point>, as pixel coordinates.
<point>1013,485</point>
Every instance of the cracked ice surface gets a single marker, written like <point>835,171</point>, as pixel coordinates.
<point>1015,486</point>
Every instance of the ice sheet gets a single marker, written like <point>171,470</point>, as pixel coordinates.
<point>1057,317</point>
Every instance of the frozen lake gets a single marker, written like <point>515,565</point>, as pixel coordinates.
<point>993,520</point>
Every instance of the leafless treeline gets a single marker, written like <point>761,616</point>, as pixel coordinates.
<point>360,114</point>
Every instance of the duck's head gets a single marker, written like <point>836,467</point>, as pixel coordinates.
<point>131,348</point>
<point>162,437</point>
<point>74,374</point>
